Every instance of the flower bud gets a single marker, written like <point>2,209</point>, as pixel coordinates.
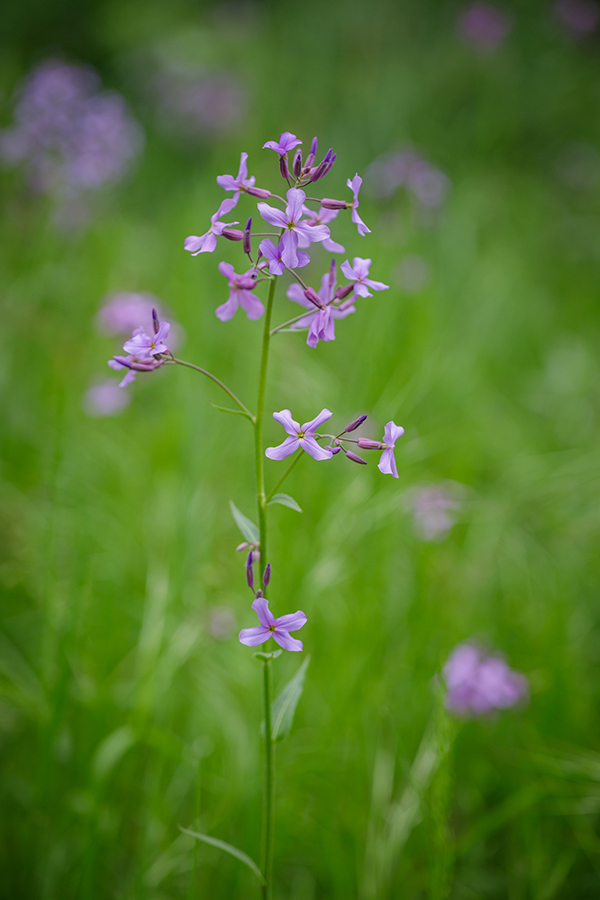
<point>354,425</point>
<point>312,295</point>
<point>298,163</point>
<point>328,166</point>
<point>333,204</point>
<point>155,322</point>
<point>247,238</point>
<point>334,450</point>
<point>243,546</point>
<point>250,570</point>
<point>283,167</point>
<point>332,272</point>
<point>319,171</point>
<point>261,193</point>
<point>355,458</point>
<point>246,283</point>
<point>342,292</point>
<point>310,159</point>
<point>368,444</point>
<point>233,234</point>
<point>267,575</point>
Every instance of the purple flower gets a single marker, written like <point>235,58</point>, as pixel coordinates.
<point>238,184</point>
<point>142,345</point>
<point>133,364</point>
<point>479,683</point>
<point>240,294</point>
<point>124,311</point>
<point>321,217</point>
<point>354,185</point>
<point>485,25</point>
<point>387,463</point>
<point>358,273</point>
<point>299,436</point>
<point>580,16</point>
<point>432,507</point>
<point>321,322</point>
<point>279,629</point>
<point>207,242</point>
<point>287,141</point>
<point>105,399</point>
<point>291,224</point>
<point>281,256</point>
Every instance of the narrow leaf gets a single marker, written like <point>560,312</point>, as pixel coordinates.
<point>285,500</point>
<point>284,707</point>
<point>228,848</point>
<point>246,526</point>
<point>234,412</point>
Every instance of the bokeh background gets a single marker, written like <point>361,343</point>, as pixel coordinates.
<point>127,705</point>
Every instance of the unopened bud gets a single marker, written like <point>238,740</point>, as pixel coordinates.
<point>310,159</point>
<point>247,237</point>
<point>250,570</point>
<point>329,165</point>
<point>332,271</point>
<point>243,546</point>
<point>259,593</point>
<point>333,204</point>
<point>319,171</point>
<point>267,575</point>
<point>261,193</point>
<point>298,163</point>
<point>312,295</point>
<point>355,424</point>
<point>233,234</point>
<point>255,555</point>
<point>342,292</point>
<point>355,458</point>
<point>246,283</point>
<point>368,444</point>
<point>334,450</point>
<point>155,322</point>
<point>283,167</point>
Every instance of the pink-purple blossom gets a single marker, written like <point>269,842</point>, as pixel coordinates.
<point>281,256</point>
<point>240,294</point>
<point>143,345</point>
<point>207,242</point>
<point>302,436</point>
<point>580,16</point>
<point>354,184</point>
<point>387,463</point>
<point>238,184</point>
<point>434,507</point>
<point>279,629</point>
<point>321,217</point>
<point>485,25</point>
<point>105,399</point>
<point>478,682</point>
<point>287,141</point>
<point>290,222</point>
<point>358,272</point>
<point>321,322</point>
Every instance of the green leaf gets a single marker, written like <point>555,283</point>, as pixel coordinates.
<point>265,656</point>
<point>284,707</point>
<point>285,500</point>
<point>234,412</point>
<point>228,848</point>
<point>246,526</point>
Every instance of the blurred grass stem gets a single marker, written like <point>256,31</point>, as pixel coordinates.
<point>228,391</point>
<point>258,430</point>
<point>266,853</point>
<point>285,474</point>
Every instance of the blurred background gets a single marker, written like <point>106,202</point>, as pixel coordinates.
<point>127,705</point>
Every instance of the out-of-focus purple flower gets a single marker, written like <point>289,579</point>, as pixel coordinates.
<point>124,311</point>
<point>143,345</point>
<point>580,16</point>
<point>358,272</point>
<point>197,105</point>
<point>321,323</point>
<point>207,242</point>
<point>287,141</point>
<point>355,184</point>
<point>240,294</point>
<point>321,217</point>
<point>279,629</point>
<point>281,255</point>
<point>290,221</point>
<point>299,436</point>
<point>387,463</point>
<point>221,622</point>
<point>433,507</point>
<point>480,683</point>
<point>240,182</point>
<point>105,399</point>
<point>428,184</point>
<point>484,25</point>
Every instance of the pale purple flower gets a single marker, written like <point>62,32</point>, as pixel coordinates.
<point>125,310</point>
<point>279,629</point>
<point>433,507</point>
<point>485,25</point>
<point>290,222</point>
<point>580,16</point>
<point>479,682</point>
<point>354,185</point>
<point>105,399</point>
<point>302,436</point>
<point>196,105</point>
<point>358,273</point>
<point>321,323</point>
<point>207,243</point>
<point>287,141</point>
<point>142,344</point>
<point>387,463</point>
<point>281,256</point>
<point>240,182</point>
<point>321,217</point>
<point>240,294</point>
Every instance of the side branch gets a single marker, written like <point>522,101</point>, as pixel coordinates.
<point>236,400</point>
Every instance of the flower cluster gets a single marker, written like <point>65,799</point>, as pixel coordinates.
<point>270,627</point>
<point>478,682</point>
<point>145,352</point>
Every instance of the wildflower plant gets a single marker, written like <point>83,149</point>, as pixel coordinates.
<point>294,223</point>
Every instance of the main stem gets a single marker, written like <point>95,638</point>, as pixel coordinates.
<point>266,855</point>
<point>259,457</point>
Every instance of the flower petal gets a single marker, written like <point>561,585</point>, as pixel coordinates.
<point>331,246</point>
<point>268,249</point>
<point>392,432</point>
<point>303,259</point>
<point>295,199</point>
<point>313,449</point>
<point>227,310</point>
<point>193,243</point>
<point>282,451</point>
<point>296,293</point>
<point>387,463</point>
<point>261,608</point>
<point>272,215</point>
<point>252,637</point>
<point>287,641</point>
<point>376,285</point>
<point>227,270</point>
<point>312,426</point>
<point>313,233</point>
<point>348,271</point>
<point>243,169</point>
<point>284,417</point>
<point>227,182</point>
<point>291,621</point>
<point>251,305</point>
<point>362,228</point>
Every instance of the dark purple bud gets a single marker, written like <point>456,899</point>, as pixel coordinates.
<point>233,234</point>
<point>355,424</point>
<point>312,295</point>
<point>155,321</point>
<point>329,165</point>
<point>342,292</point>
<point>321,168</point>
<point>332,271</point>
<point>334,204</point>
<point>355,458</point>
<point>148,366</point>
<point>267,575</point>
<point>368,444</point>
<point>283,167</point>
<point>247,238</point>
<point>334,450</point>
<point>261,193</point>
<point>298,163</point>
<point>250,570</point>
<point>310,159</point>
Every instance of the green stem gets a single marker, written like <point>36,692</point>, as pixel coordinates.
<point>245,410</point>
<point>259,458</point>
<point>266,857</point>
<point>285,474</point>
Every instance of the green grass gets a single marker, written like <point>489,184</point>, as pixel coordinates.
<point>120,715</point>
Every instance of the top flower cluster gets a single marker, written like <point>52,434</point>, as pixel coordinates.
<point>297,227</point>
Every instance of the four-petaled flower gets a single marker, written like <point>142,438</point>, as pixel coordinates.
<point>321,217</point>
<point>142,345</point>
<point>238,184</point>
<point>321,324</point>
<point>206,243</point>
<point>287,141</point>
<point>281,256</point>
<point>279,629</point>
<point>299,436</point>
<point>354,185</point>
<point>387,463</point>
<point>291,224</point>
<point>358,272</point>
<point>240,294</point>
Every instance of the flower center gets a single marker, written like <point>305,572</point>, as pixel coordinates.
<point>300,435</point>
<point>271,627</point>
